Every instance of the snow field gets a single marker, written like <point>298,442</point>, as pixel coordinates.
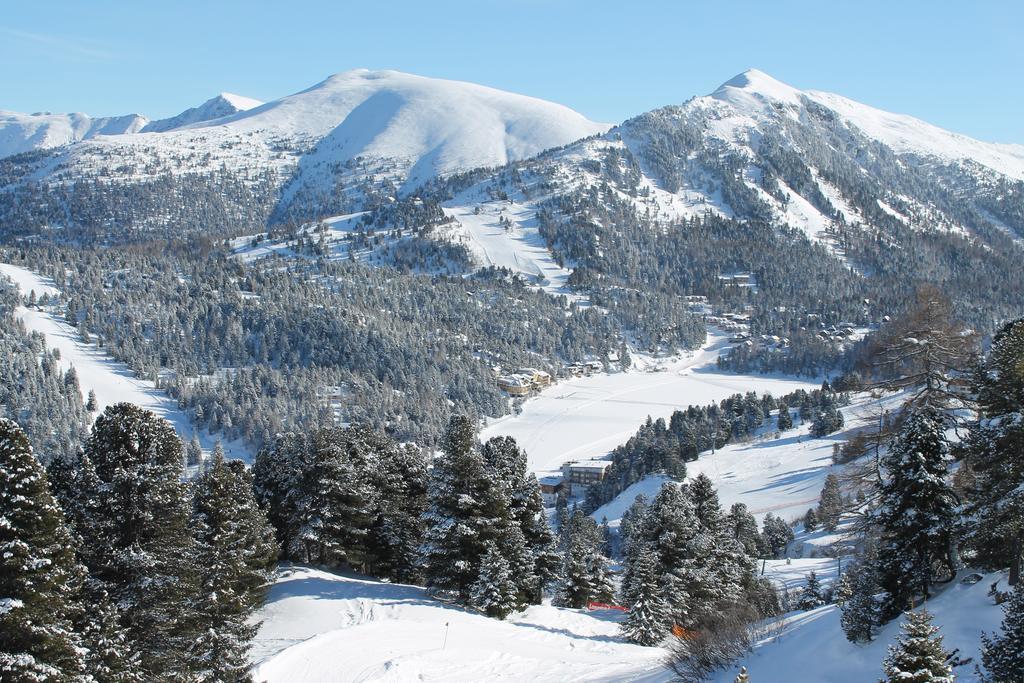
<point>586,417</point>
<point>320,626</point>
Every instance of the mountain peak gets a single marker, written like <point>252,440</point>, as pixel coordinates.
<point>756,83</point>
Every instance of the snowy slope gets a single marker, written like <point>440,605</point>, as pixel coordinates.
<point>812,648</point>
<point>111,380</point>
<point>756,92</point>
<point>224,104</point>
<point>782,475</point>
<point>26,132</point>
<point>320,626</point>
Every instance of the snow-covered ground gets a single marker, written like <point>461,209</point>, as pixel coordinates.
<point>812,648</point>
<point>518,247</point>
<point>320,626</point>
<point>586,417</point>
<point>112,380</point>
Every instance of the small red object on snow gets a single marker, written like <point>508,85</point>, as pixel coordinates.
<point>601,605</point>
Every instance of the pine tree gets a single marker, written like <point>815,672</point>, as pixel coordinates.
<point>508,463</point>
<point>91,404</point>
<point>236,552</point>
<point>136,539</point>
<point>777,534</point>
<point>743,527</point>
<point>917,512</point>
<point>401,476</point>
<point>466,509</point>
<point>584,574</point>
<point>810,520</point>
<point>494,591</point>
<point>193,452</point>
<point>812,595</point>
<point>648,619</point>
<point>785,420</point>
<point>830,505</point>
<point>861,612</point>
<point>1002,654</point>
<point>992,450</point>
<point>918,655</point>
<point>39,578</point>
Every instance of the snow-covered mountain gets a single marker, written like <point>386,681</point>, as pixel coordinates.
<point>224,104</point>
<point>754,149</point>
<point>321,149</point>
<point>26,132</point>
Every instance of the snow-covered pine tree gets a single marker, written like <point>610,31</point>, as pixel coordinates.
<point>525,507</point>
<point>810,520</point>
<point>401,476</point>
<point>632,522</point>
<point>785,420</point>
<point>584,574</point>
<point>193,452</point>
<point>466,508</point>
<point>1002,654</point>
<point>777,534</point>
<point>992,449</point>
<point>830,505</point>
<point>91,404</point>
<point>648,620</point>
<point>109,657</point>
<point>236,552</point>
<point>137,544</point>
<point>39,578</point>
<point>494,592</point>
<point>917,510</point>
<point>671,529</point>
<point>860,609</point>
<point>812,595</point>
<point>918,655</point>
<point>743,527</point>
<point>276,473</point>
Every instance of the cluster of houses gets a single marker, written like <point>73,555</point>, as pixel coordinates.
<point>523,381</point>
<point>838,333</point>
<point>583,369</point>
<point>576,476</point>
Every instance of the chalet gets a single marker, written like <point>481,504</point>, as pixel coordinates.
<point>539,378</point>
<point>550,487</point>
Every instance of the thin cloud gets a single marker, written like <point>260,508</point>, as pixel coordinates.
<point>68,46</point>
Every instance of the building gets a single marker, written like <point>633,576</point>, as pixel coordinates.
<point>550,487</point>
<point>578,475</point>
<point>515,385</point>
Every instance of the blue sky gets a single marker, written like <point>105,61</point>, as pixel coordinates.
<point>959,65</point>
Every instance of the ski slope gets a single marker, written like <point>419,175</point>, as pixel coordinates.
<point>111,380</point>
<point>321,627</point>
<point>518,247</point>
<point>586,417</point>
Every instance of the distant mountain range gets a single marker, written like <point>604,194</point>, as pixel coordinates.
<point>753,148</point>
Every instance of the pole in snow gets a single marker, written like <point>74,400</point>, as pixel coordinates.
<point>445,643</point>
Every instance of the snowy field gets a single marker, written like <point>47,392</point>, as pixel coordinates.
<point>112,380</point>
<point>319,626</point>
<point>586,417</point>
